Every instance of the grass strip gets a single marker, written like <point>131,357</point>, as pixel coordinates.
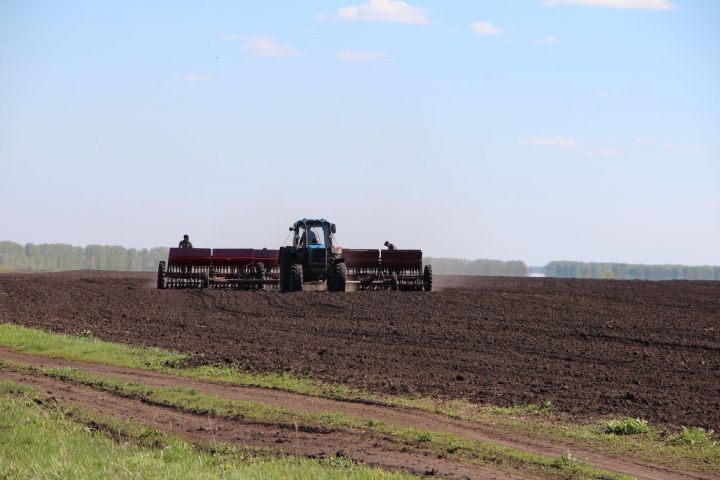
<point>84,346</point>
<point>41,440</point>
<point>656,445</point>
<point>439,443</point>
<point>539,421</point>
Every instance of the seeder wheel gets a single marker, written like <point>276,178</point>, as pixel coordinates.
<point>428,278</point>
<point>394,285</point>
<point>161,276</point>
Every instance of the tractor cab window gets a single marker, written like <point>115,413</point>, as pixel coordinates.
<point>300,240</point>
<point>315,236</point>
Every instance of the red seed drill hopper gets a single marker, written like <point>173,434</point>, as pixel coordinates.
<point>234,268</point>
<point>399,270</point>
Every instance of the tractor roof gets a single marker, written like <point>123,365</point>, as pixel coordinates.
<point>313,221</point>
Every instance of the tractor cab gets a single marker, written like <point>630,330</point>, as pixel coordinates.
<point>313,233</point>
<point>313,243</point>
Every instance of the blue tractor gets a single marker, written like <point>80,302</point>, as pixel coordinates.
<point>312,257</point>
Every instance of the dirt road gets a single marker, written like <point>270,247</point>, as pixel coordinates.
<point>359,445</point>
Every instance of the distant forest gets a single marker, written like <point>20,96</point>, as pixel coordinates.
<point>59,256</point>
<point>481,266</point>
<point>626,271</point>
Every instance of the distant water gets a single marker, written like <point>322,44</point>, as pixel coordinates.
<point>536,275</point>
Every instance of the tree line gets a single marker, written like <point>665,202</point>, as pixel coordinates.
<point>481,266</point>
<point>60,256</point>
<point>628,271</point>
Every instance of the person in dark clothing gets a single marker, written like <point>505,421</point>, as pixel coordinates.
<point>389,245</point>
<point>185,243</point>
<point>311,237</point>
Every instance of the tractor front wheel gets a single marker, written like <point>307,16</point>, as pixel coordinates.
<point>296,277</point>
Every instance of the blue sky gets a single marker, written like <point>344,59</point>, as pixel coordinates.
<point>529,129</point>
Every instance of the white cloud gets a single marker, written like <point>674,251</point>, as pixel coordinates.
<point>267,47</point>
<point>485,28</point>
<point>642,141</point>
<point>626,4</point>
<point>548,40</point>
<point>360,55</point>
<point>608,152</point>
<point>551,142</point>
<point>197,77</point>
<point>396,11</point>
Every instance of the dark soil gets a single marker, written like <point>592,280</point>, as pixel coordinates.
<point>646,349</point>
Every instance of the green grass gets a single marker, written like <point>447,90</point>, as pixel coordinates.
<point>518,462</point>
<point>693,437</point>
<point>540,421</point>
<point>653,445</point>
<point>439,443</point>
<point>627,426</point>
<point>85,347</point>
<point>41,442</point>
<point>14,388</point>
<point>189,400</point>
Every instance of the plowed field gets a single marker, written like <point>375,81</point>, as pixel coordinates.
<point>647,349</point>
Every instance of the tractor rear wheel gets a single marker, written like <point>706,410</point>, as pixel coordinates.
<point>161,276</point>
<point>338,277</point>
<point>427,278</point>
<point>296,277</point>
<point>285,266</point>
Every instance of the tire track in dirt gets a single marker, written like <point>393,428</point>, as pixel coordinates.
<point>281,439</point>
<point>397,416</point>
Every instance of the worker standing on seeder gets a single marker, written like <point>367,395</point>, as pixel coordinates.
<point>185,242</point>
<point>389,245</point>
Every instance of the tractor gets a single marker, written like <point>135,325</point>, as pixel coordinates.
<point>312,257</point>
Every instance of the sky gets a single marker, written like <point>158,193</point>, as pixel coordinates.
<point>534,130</point>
